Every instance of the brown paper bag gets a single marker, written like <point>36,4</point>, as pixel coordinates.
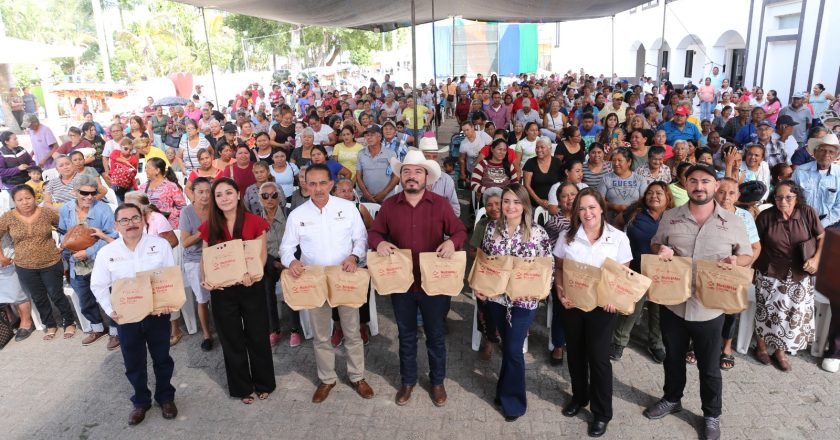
<point>345,288</point>
<point>671,280</point>
<point>490,274</point>
<point>309,291</point>
<point>391,274</point>
<point>621,287</point>
<point>442,276</point>
<point>253,250</point>
<point>580,284</point>
<point>224,264</point>
<point>530,278</point>
<point>723,286</point>
<point>167,286</point>
<point>132,298</point>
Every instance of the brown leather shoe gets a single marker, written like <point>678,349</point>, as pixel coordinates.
<point>169,410</point>
<point>113,343</point>
<point>322,392</point>
<point>363,389</point>
<point>438,395</point>
<point>137,415</point>
<point>404,394</point>
<point>93,337</point>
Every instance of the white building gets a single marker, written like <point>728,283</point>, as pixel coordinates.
<point>790,46</point>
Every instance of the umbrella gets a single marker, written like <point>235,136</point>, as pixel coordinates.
<point>170,101</point>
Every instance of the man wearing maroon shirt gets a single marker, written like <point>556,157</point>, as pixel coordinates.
<point>419,220</point>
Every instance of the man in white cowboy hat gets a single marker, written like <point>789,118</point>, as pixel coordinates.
<point>445,185</point>
<point>821,179</point>
<point>419,220</point>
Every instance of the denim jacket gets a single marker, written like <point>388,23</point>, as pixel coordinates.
<point>821,192</point>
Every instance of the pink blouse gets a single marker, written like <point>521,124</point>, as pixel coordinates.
<point>168,198</point>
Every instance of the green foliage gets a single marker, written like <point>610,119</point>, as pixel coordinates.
<point>25,75</point>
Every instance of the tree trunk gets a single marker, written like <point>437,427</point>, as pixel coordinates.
<point>336,51</point>
<point>5,84</point>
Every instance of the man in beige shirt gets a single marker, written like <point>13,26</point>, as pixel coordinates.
<point>702,230</point>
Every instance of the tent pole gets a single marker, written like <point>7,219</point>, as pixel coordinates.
<point>434,66</point>
<point>612,44</point>
<point>210,57</point>
<point>659,63</point>
<point>414,69</point>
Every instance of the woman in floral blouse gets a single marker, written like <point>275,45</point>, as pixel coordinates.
<point>515,234</point>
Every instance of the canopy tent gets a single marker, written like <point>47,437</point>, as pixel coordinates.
<point>387,15</point>
<point>17,51</point>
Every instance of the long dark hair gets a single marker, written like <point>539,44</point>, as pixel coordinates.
<point>573,229</point>
<point>505,162</point>
<point>217,223</point>
<point>641,204</point>
<point>168,173</point>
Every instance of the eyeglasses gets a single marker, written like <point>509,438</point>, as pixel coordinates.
<point>87,193</point>
<point>125,221</point>
<point>266,196</point>
<point>785,198</point>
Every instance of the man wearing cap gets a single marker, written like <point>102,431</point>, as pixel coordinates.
<point>617,106</point>
<point>774,151</point>
<point>526,114</point>
<point>44,143</point>
<point>748,134</point>
<point>784,135</point>
<point>419,220</point>
<point>702,230</point>
<point>394,140</point>
<point>800,114</point>
<point>374,175</point>
<point>677,128</point>
<point>821,179</point>
<point>445,185</point>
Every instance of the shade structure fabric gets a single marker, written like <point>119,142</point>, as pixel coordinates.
<point>386,15</point>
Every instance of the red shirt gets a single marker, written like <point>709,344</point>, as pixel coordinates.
<point>420,228</point>
<point>252,228</point>
<point>243,177</point>
<point>517,104</point>
<point>68,147</point>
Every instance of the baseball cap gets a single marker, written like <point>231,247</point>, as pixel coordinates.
<point>230,127</point>
<point>798,95</point>
<point>617,95</point>
<point>373,129</point>
<point>767,123</point>
<point>28,119</point>
<point>786,120</point>
<point>389,122</point>
<point>701,167</point>
<point>681,111</point>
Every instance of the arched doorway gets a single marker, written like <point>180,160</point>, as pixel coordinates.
<point>640,58</point>
<point>730,47</point>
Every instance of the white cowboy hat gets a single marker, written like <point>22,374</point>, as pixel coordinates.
<point>415,157</point>
<point>430,145</point>
<point>829,139</point>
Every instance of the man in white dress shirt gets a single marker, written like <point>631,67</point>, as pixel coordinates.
<point>330,232</point>
<point>135,252</point>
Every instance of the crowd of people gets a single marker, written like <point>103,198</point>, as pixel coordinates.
<point>614,170</point>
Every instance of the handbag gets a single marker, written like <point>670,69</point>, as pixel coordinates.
<point>807,248</point>
<point>79,238</point>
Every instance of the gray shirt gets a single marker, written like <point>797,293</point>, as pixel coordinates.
<point>803,118</point>
<point>376,171</point>
<point>622,191</point>
<point>188,224</point>
<point>532,116</point>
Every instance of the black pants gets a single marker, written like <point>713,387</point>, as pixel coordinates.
<point>729,327</point>
<point>151,332</point>
<point>45,285</point>
<point>271,275</point>
<point>588,336</point>
<point>706,340</point>
<point>833,351</point>
<point>242,324</point>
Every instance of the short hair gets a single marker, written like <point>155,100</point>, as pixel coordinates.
<point>24,188</point>
<point>74,130</point>
<point>125,206</point>
<point>85,180</point>
<point>490,192</point>
<point>320,166</point>
<point>588,115</point>
<point>269,184</point>
<point>308,132</point>
<point>76,153</point>
<point>654,150</point>
<point>200,180</point>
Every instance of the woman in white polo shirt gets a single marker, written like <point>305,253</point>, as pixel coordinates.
<point>589,240</point>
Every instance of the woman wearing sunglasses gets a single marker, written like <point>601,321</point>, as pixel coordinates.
<point>262,174</point>
<point>271,196</point>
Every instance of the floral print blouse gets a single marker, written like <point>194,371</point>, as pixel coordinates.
<point>539,245</point>
<point>168,198</point>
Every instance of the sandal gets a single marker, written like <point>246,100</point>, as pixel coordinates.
<point>690,359</point>
<point>249,399</point>
<point>727,361</point>
<point>50,334</point>
<point>782,364</point>
<point>262,396</point>
<point>69,334</point>
<point>762,356</point>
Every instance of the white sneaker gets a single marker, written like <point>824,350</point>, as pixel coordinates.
<point>831,365</point>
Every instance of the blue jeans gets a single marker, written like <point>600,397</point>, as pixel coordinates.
<point>558,334</point>
<point>433,309</point>
<point>707,110</point>
<point>151,332</point>
<point>510,389</point>
<point>87,302</point>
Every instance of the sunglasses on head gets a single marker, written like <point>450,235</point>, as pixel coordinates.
<point>87,193</point>
<point>266,196</point>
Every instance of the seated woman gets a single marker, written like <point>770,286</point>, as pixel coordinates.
<point>492,202</point>
<point>494,171</point>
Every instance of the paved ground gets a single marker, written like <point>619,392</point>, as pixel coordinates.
<point>62,390</point>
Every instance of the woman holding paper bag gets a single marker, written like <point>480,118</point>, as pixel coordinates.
<point>492,202</point>
<point>784,296</point>
<point>514,234</point>
<point>590,240</point>
<point>191,218</point>
<point>239,310</point>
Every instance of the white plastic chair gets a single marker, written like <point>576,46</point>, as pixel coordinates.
<point>373,325</point>
<point>822,320</point>
<point>50,174</point>
<point>541,215</point>
<point>746,324</point>
<point>373,208</point>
